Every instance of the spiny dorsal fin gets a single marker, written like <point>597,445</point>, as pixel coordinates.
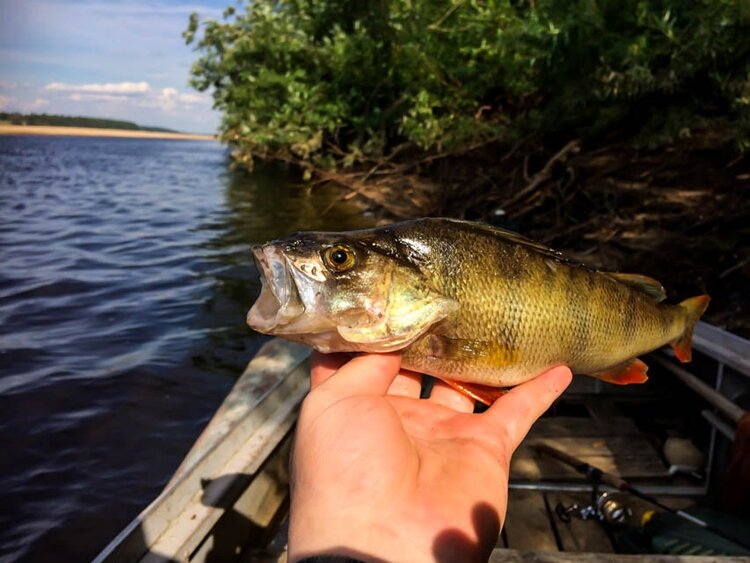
<point>516,238</point>
<point>647,285</point>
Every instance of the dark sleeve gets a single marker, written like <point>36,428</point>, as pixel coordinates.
<point>330,559</point>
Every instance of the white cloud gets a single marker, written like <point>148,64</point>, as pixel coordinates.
<point>108,88</point>
<point>80,46</point>
<point>148,9</point>
<point>22,106</point>
<point>5,85</point>
<point>95,97</point>
<point>189,98</point>
<point>169,99</point>
<point>130,94</point>
<point>137,101</point>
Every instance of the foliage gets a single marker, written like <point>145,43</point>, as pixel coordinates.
<point>70,121</point>
<point>333,82</point>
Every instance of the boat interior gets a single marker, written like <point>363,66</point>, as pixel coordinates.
<point>672,441</point>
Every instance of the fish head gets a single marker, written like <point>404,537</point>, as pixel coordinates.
<point>343,292</point>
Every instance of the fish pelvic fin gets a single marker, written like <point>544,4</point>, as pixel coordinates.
<point>482,393</point>
<point>694,307</point>
<point>629,371</point>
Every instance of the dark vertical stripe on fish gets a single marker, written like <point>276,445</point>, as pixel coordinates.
<point>631,319</point>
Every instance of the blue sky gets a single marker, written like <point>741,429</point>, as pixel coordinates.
<point>104,58</point>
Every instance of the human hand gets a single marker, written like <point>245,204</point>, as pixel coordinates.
<point>378,474</point>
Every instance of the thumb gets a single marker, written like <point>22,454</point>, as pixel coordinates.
<point>518,409</point>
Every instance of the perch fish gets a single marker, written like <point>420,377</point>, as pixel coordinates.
<point>476,306</point>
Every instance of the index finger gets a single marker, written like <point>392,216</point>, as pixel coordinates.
<point>324,366</point>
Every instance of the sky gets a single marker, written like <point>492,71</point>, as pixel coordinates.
<point>104,58</point>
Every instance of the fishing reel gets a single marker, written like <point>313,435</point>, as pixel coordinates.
<point>604,507</point>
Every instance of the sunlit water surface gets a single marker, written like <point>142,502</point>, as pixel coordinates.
<point>125,277</point>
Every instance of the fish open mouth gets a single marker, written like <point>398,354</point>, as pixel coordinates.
<point>279,301</point>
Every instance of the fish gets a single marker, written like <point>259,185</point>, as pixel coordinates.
<point>479,307</point>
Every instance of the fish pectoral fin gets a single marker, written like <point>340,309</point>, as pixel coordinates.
<point>630,371</point>
<point>475,352</point>
<point>399,327</point>
<point>644,284</point>
<point>482,393</point>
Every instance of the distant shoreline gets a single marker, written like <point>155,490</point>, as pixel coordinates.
<point>8,129</point>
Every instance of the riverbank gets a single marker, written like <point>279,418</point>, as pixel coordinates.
<point>8,129</point>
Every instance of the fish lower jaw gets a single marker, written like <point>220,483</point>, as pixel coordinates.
<point>329,342</point>
<point>260,322</point>
<point>264,315</point>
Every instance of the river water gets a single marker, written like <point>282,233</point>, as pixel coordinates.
<point>125,276</point>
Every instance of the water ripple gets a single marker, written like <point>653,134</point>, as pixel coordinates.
<point>124,284</point>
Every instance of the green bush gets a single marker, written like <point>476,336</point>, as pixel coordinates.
<point>334,81</point>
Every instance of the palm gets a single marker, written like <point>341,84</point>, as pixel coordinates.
<point>431,465</point>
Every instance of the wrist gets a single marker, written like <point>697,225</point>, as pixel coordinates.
<point>321,532</point>
<point>385,536</point>
<point>348,531</point>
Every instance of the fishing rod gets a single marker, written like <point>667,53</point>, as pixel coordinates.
<point>597,475</point>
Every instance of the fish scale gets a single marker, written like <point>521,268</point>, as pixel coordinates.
<point>466,302</point>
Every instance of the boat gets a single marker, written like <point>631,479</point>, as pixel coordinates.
<point>229,499</point>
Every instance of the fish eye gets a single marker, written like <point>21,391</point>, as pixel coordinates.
<point>339,258</point>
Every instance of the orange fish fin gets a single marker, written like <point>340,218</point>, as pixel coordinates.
<point>694,307</point>
<point>630,371</point>
<point>482,393</point>
<point>642,283</point>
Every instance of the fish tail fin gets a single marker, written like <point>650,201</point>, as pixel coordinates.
<point>694,307</point>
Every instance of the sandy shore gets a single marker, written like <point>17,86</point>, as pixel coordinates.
<point>7,129</point>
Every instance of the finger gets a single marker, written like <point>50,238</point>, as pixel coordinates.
<point>406,384</point>
<point>368,374</point>
<point>444,394</point>
<point>517,410</point>
<point>324,366</point>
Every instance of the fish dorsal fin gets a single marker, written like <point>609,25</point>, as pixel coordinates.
<point>512,236</point>
<point>644,284</point>
<point>647,285</point>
